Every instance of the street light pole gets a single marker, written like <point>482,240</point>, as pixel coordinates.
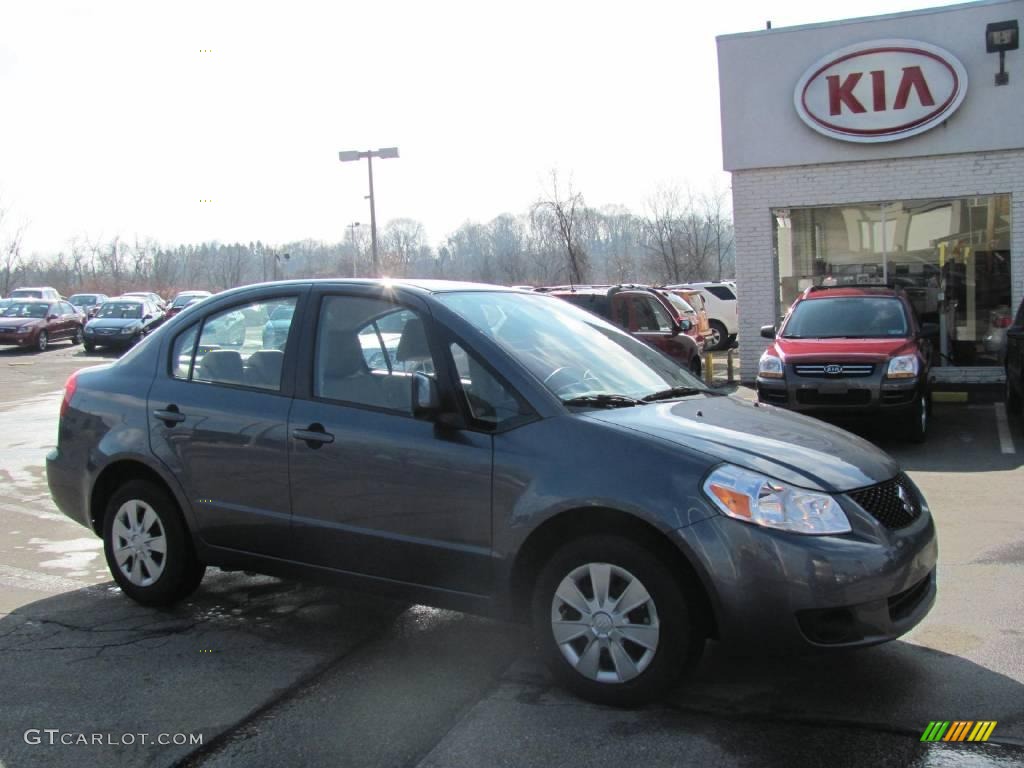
<point>384,154</point>
<point>355,250</point>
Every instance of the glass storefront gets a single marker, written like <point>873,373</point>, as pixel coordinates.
<point>951,256</point>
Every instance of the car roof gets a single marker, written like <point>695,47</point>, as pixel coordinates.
<point>32,300</point>
<point>828,292</point>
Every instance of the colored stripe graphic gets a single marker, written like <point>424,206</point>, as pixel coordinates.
<point>959,730</point>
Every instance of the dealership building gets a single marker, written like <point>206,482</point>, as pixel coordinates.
<point>882,150</point>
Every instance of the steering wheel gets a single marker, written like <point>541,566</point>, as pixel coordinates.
<point>579,375</point>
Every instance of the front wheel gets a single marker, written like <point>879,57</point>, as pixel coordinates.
<point>147,545</point>
<point>612,621</point>
<point>1013,398</point>
<point>915,426</point>
<point>89,346</point>
<point>42,341</point>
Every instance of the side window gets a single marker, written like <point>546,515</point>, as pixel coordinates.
<point>242,346</point>
<point>181,353</point>
<point>367,351</point>
<point>487,398</point>
<point>721,291</point>
<point>649,316</point>
<point>67,309</point>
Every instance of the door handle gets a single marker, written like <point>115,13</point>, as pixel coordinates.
<point>170,415</point>
<point>314,435</point>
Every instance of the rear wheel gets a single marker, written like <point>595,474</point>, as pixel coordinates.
<point>719,337</point>
<point>612,621</point>
<point>79,337</point>
<point>147,545</point>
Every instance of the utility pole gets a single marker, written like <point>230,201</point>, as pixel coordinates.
<point>355,249</point>
<point>384,154</point>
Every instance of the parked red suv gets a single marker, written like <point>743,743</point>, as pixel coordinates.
<point>850,349</point>
<point>643,312</point>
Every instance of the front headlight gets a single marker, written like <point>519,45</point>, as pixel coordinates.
<point>762,500</point>
<point>770,367</point>
<point>902,367</point>
<point>24,329</point>
<point>130,329</point>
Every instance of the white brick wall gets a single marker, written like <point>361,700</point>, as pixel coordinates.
<point>756,192</point>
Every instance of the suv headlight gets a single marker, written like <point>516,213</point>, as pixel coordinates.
<point>762,500</point>
<point>770,367</point>
<point>902,367</point>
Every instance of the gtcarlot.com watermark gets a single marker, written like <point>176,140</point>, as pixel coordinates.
<point>57,737</point>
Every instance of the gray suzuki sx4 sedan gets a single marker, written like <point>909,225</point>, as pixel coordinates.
<point>495,451</point>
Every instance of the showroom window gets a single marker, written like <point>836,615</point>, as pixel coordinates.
<point>951,256</point>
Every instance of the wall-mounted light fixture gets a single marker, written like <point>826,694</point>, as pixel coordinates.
<point>1000,37</point>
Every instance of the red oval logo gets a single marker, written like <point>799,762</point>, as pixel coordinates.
<point>882,90</point>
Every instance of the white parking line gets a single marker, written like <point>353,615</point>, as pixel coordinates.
<point>1003,427</point>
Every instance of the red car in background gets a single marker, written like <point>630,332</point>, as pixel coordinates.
<point>642,311</point>
<point>37,322</point>
<point>851,350</point>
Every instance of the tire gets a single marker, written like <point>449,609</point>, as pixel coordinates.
<point>915,425</point>
<point>1014,403</point>
<point>615,672</point>
<point>89,346</point>
<point>695,365</point>
<point>42,341</point>
<point>719,336</point>
<point>146,576</point>
<point>79,336</point>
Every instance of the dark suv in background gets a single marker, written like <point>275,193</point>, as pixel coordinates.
<point>642,311</point>
<point>850,350</point>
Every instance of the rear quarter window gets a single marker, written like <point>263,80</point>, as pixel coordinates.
<point>721,291</point>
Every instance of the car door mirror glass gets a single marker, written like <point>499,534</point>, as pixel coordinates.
<point>426,400</point>
<point>768,331</point>
<point>685,324</point>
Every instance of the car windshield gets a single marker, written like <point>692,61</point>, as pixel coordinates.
<point>82,300</point>
<point>573,352</point>
<point>26,309</point>
<point>847,317</point>
<point>26,293</point>
<point>119,309</point>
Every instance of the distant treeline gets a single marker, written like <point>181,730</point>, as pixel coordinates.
<point>559,238</point>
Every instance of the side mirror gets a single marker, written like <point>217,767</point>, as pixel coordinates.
<point>685,324</point>
<point>52,317</point>
<point>147,317</point>
<point>426,401</point>
<point>767,331</point>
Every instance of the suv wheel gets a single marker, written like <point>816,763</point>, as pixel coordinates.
<point>1013,399</point>
<point>612,622</point>
<point>719,337</point>
<point>916,424</point>
<point>147,545</point>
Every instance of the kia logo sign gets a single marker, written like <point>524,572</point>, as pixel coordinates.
<point>833,370</point>
<point>883,90</point>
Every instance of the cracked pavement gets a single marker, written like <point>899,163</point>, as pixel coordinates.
<point>273,672</point>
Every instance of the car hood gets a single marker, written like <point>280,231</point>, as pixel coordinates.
<point>867,350</point>
<point>788,446</point>
<point>113,322</point>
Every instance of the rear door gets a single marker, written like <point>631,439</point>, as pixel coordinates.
<point>218,421</point>
<point>1015,349</point>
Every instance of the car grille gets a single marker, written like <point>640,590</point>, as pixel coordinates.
<point>106,331</point>
<point>8,330</point>
<point>884,503</point>
<point>851,397</point>
<point>844,369</point>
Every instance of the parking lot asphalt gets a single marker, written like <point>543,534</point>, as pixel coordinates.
<point>272,672</point>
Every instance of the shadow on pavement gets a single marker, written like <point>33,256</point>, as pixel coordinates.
<point>92,661</point>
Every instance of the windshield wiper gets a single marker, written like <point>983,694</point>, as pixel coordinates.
<point>604,400</point>
<point>668,394</point>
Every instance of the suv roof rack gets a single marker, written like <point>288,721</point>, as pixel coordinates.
<point>816,288</point>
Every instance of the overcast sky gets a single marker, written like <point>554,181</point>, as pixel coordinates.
<point>114,121</point>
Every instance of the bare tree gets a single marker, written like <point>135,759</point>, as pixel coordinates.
<point>567,212</point>
<point>11,266</point>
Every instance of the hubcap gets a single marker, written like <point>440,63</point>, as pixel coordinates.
<point>605,623</point>
<point>139,542</point>
<point>716,337</point>
<point>924,414</point>
<point>42,340</point>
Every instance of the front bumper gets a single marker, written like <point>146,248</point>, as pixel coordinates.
<point>18,339</point>
<point>109,339</point>
<point>786,592</point>
<point>815,394</point>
